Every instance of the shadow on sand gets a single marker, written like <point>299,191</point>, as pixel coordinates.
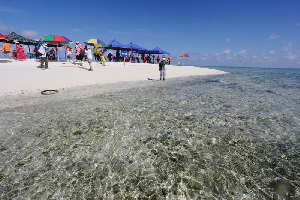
<point>83,68</point>
<point>5,61</point>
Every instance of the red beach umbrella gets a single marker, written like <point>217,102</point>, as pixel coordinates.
<point>3,37</point>
<point>58,39</point>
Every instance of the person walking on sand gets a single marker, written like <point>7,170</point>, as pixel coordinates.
<point>89,57</point>
<point>6,49</point>
<point>162,69</point>
<point>102,58</point>
<point>43,50</point>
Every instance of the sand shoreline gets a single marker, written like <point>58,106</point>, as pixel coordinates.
<point>26,78</point>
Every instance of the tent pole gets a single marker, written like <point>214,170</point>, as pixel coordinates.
<point>131,55</point>
<point>65,53</point>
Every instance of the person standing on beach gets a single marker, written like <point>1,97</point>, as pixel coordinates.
<point>78,50</point>
<point>162,69</point>
<point>143,57</point>
<point>169,60</point>
<point>89,57</point>
<point>6,49</point>
<point>137,57</point>
<point>85,52</point>
<point>118,55</point>
<point>109,56</point>
<point>20,52</point>
<point>158,59</point>
<point>44,56</point>
<point>95,52</point>
<point>69,53</point>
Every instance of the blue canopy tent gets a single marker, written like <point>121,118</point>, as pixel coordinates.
<point>157,50</point>
<point>115,45</point>
<point>131,46</point>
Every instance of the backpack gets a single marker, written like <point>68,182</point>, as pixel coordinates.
<point>161,64</point>
<point>82,52</point>
<point>38,52</point>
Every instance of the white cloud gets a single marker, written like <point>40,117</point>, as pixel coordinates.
<point>271,52</point>
<point>273,36</point>
<point>243,53</point>
<point>227,51</point>
<point>290,55</point>
<point>3,27</point>
<point>204,56</point>
<point>288,47</point>
<point>29,33</point>
<point>228,40</point>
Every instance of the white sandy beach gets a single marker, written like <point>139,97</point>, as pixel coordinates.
<point>24,77</point>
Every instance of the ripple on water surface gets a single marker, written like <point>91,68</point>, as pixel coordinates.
<point>234,136</point>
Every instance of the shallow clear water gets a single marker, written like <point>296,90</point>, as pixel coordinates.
<point>228,137</point>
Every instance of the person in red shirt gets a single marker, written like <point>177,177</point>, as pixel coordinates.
<point>158,59</point>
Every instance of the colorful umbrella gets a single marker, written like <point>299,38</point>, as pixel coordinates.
<point>58,39</point>
<point>3,37</point>
<point>95,43</point>
<point>184,55</point>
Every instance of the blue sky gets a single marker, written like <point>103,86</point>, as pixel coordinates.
<point>259,33</point>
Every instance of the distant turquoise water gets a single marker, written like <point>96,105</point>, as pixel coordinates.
<point>231,136</point>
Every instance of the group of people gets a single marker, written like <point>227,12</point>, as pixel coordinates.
<point>18,52</point>
<point>147,59</point>
<point>86,53</point>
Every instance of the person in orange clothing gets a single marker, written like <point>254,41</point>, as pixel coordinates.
<point>169,60</point>
<point>6,49</point>
<point>99,53</point>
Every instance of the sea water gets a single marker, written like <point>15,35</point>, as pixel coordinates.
<point>234,136</point>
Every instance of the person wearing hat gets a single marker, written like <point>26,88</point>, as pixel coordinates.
<point>162,69</point>
<point>44,56</point>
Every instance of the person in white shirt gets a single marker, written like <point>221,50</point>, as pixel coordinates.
<point>90,57</point>
<point>69,54</point>
<point>43,50</point>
